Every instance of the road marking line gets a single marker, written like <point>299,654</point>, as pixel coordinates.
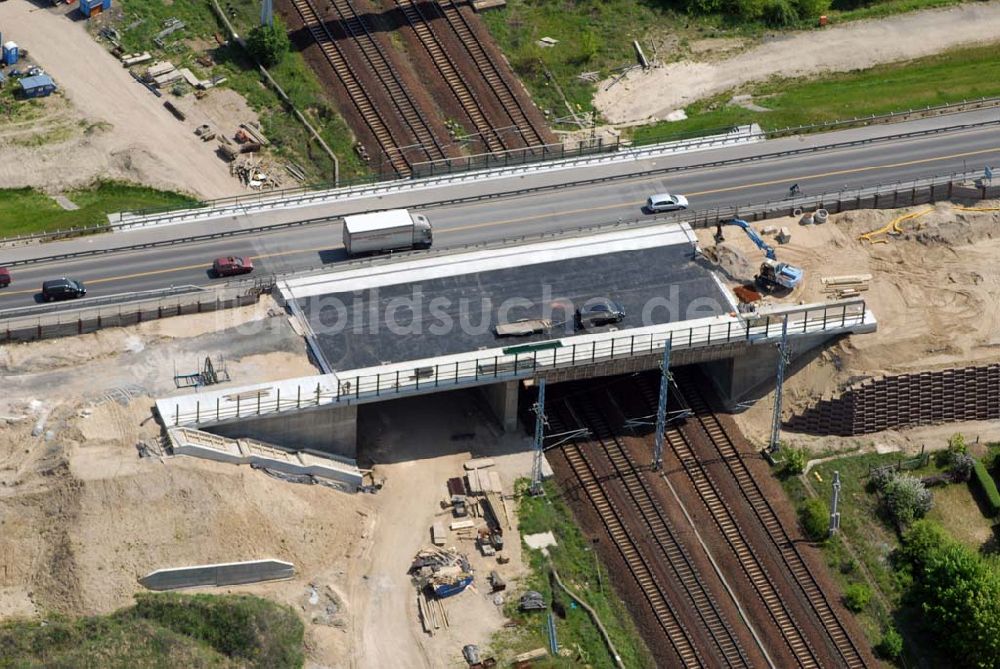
<point>821,175</point>
<point>853,170</point>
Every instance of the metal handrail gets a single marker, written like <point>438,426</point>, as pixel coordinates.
<point>838,316</point>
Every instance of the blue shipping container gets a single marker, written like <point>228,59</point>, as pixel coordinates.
<point>10,53</point>
<point>87,7</point>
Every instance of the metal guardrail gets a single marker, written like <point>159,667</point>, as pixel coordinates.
<point>881,196</point>
<point>377,184</point>
<point>326,196</point>
<point>131,311</point>
<point>891,117</point>
<point>65,308</point>
<point>473,198</point>
<point>839,317</point>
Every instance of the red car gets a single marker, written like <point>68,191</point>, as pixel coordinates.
<point>4,277</point>
<point>232,266</point>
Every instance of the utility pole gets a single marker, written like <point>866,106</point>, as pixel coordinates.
<point>661,408</point>
<point>266,13</point>
<point>773,446</point>
<point>834,505</point>
<point>536,464</point>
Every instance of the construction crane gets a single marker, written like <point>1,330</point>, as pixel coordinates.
<point>772,273</point>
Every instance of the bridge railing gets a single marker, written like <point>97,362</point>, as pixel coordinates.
<point>526,361</point>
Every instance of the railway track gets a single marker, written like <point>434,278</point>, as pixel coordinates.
<point>359,96</point>
<point>451,74</point>
<point>665,615</point>
<point>510,102</point>
<point>793,560</point>
<point>671,552</point>
<point>750,562</point>
<point>402,101</point>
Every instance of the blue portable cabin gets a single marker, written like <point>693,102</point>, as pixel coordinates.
<point>10,53</point>
<point>39,86</point>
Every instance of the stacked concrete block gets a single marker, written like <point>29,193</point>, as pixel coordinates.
<point>906,400</point>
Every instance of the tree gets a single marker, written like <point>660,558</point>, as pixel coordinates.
<point>906,499</point>
<point>957,592</point>
<point>857,596</point>
<point>268,44</point>
<point>891,645</point>
<point>815,519</point>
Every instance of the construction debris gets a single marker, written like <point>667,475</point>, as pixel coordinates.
<point>170,26</point>
<point>532,601</point>
<point>249,171</point>
<point>442,572</point>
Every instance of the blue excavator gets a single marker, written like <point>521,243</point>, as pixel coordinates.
<point>772,274</point>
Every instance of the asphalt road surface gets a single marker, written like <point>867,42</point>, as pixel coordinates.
<point>570,206</point>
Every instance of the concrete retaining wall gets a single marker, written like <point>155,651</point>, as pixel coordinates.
<point>213,575</point>
<point>892,402</point>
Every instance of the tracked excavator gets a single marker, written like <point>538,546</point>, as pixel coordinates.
<point>772,274</point>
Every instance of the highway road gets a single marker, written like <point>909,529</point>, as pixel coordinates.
<point>552,209</point>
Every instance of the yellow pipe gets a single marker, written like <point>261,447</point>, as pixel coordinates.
<point>893,225</point>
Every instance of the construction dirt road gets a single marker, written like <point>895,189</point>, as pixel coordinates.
<point>933,290</point>
<point>842,48</point>
<point>82,515</point>
<point>115,129</point>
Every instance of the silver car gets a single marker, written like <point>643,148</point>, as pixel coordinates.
<point>666,202</point>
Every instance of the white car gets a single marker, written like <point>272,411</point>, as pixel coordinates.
<point>666,202</point>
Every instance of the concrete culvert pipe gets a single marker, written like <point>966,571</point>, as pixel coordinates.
<point>820,216</point>
<point>806,219</point>
<point>797,211</point>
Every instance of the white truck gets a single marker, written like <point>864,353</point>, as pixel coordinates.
<point>382,231</point>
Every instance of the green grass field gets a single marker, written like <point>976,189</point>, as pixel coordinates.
<point>949,77</point>
<point>25,210</point>
<point>873,538</point>
<point>162,630</point>
<point>597,37</point>
<point>581,571</point>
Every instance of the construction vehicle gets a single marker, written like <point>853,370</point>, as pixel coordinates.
<point>772,274</point>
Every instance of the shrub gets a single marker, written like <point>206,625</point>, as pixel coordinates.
<point>779,13</point>
<point>891,645</point>
<point>880,477</point>
<point>814,519</point>
<point>857,596</point>
<point>749,10</point>
<point>795,461</point>
<point>956,446</point>
<point>810,9</point>
<point>988,487</point>
<point>268,44</point>
<point>961,467</point>
<point>906,499</point>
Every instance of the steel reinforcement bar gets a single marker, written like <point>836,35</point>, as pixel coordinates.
<point>693,394</point>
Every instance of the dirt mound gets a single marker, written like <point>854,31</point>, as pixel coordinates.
<point>933,289</point>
